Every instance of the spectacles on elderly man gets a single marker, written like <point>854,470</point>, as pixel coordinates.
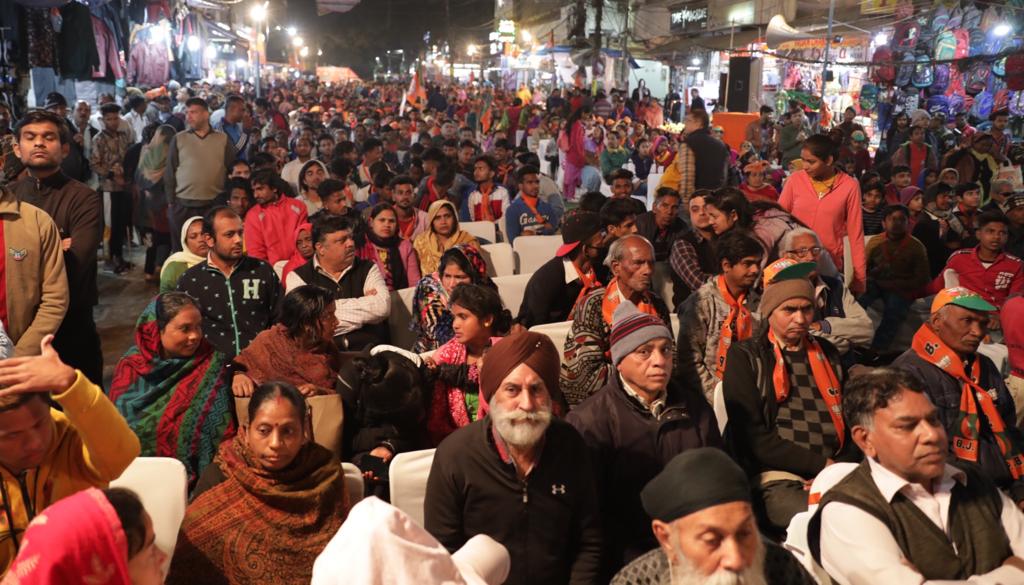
<point>801,253</point>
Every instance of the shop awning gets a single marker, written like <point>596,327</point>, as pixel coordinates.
<point>327,6</point>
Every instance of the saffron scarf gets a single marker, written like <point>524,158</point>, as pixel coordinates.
<point>612,298</point>
<point>738,325</point>
<point>76,540</point>
<point>485,202</point>
<point>824,378</point>
<point>531,203</point>
<point>930,348</point>
<point>260,526</point>
<point>178,407</point>
<point>590,284</point>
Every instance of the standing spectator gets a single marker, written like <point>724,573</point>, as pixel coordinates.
<point>986,269</point>
<point>272,221</point>
<point>792,137</point>
<point>662,226</point>
<point>135,114</point>
<point>1015,213</point>
<point>829,203</point>
<point>198,164</point>
<point>78,212</point>
<point>74,163</point>
<point>634,426</point>
<point>527,215</point>
<point>231,124</point>
<point>761,133</point>
<point>150,182</point>
<point>848,126</point>
<point>696,102</point>
<point>702,161</point>
<point>554,536</point>
<point>393,256</point>
<point>237,294</point>
<point>897,272</point>
<point>571,141</point>
<point>108,151</point>
<point>35,288</point>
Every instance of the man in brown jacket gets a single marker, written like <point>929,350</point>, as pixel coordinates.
<point>34,286</point>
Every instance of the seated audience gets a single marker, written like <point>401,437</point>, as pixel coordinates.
<point>90,535</point>
<point>662,226</point>
<point>937,228</point>
<point>967,208</point>
<point>693,257</point>
<point>311,176</point>
<point>586,368</point>
<point>528,215</point>
<point>337,200</point>
<point>269,225</point>
<point>621,183</point>
<point>442,235</point>
<point>973,404</point>
<point>172,386</point>
<point>478,321</point>
<point>361,298</point>
<point>1015,213</point>
<point>900,179</point>
<point>561,283</point>
<point>412,221</point>
<point>837,316</point>
<point>754,185</point>
<point>49,454</point>
<point>720,313</point>
<point>636,424</point>
<point>394,256</point>
<point>239,194</point>
<point>462,264</point>
<point>704,521</point>
<point>986,268</point>
<point>229,280</point>
<point>897,273</point>
<point>488,201</point>
<point>905,515</point>
<point>873,208</point>
<point>303,250</point>
<point>520,452</point>
<point>193,251</point>
<point>289,490</point>
<point>782,393</point>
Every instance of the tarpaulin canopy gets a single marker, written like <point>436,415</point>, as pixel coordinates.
<point>325,6</point>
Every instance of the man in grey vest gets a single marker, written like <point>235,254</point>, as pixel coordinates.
<point>198,161</point>
<point>905,515</point>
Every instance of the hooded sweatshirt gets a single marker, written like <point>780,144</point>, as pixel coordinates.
<point>178,262</point>
<point>269,229</point>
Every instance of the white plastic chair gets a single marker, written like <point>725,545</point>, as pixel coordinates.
<point>162,485</point>
<point>353,482</point>
<point>400,318</point>
<point>663,285</point>
<point>557,333</point>
<point>718,404</point>
<point>534,251</point>
<point>500,259</point>
<point>512,289</point>
<point>279,268</point>
<point>653,180</point>
<point>481,229</point>
<point>408,475</point>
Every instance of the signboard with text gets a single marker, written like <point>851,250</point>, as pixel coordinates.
<point>689,17</point>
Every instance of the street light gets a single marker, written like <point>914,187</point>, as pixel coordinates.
<point>297,42</point>
<point>304,52</point>
<point>471,49</point>
<point>292,31</point>
<point>258,13</point>
<point>1002,29</point>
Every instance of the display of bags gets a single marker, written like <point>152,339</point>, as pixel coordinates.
<point>924,73</point>
<point>882,69</point>
<point>905,70</point>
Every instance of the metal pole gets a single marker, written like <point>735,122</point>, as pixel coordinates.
<point>625,47</point>
<point>828,44</point>
<point>598,17</point>
<point>256,47</point>
<point>728,72</point>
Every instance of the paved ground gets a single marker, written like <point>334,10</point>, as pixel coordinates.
<point>122,299</point>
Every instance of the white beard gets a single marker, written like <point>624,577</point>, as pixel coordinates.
<point>683,572</point>
<point>521,429</point>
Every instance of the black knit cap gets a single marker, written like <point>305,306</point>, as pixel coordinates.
<point>692,481</point>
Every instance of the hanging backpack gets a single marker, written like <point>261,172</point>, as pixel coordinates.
<point>978,43</point>
<point>972,18</point>
<point>983,103</point>
<point>882,68</point>
<point>955,104</point>
<point>868,97</point>
<point>940,19</point>
<point>924,73</point>
<point>999,67</point>
<point>941,81</point>
<point>1001,101</point>
<point>905,70</point>
<point>1017,103</point>
<point>990,18</point>
<point>906,34</point>
<point>1014,69</point>
<point>945,46</point>
<point>977,78</point>
<point>938,104</point>
<point>956,18</point>
<point>963,43</point>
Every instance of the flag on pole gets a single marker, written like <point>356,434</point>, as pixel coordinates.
<point>416,96</point>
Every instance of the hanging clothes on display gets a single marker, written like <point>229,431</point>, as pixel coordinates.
<point>149,64</point>
<point>189,65</point>
<point>109,57</point>
<point>76,43</point>
<point>42,39</point>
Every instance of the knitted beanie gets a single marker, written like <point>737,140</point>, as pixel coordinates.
<point>631,329</point>
<point>782,291</point>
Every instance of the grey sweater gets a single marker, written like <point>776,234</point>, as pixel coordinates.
<point>197,167</point>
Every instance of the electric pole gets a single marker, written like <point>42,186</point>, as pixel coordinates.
<point>598,17</point>
<point>624,80</point>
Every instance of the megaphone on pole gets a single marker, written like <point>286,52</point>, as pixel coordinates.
<point>779,31</point>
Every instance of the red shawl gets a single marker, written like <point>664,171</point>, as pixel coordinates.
<point>274,355</point>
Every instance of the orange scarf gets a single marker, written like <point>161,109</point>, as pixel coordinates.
<point>824,378</point>
<point>485,203</point>
<point>611,302</point>
<point>738,325</point>
<point>590,284</point>
<point>931,349</point>
<point>531,202</point>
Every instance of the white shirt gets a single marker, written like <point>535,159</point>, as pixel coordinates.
<point>290,172</point>
<point>355,313</point>
<point>856,548</point>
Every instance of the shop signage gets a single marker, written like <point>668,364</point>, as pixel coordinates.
<point>507,31</point>
<point>689,17</point>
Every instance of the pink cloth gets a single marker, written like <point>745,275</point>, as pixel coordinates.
<point>832,217</point>
<point>270,230</point>
<point>368,251</point>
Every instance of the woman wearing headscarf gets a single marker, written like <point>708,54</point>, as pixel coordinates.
<point>172,386</point>
<point>267,505</point>
<point>150,174</point>
<point>393,254</point>
<point>462,264</point>
<point>303,249</point>
<point>193,251</point>
<point>442,235</point>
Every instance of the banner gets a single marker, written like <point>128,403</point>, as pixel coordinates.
<point>327,6</point>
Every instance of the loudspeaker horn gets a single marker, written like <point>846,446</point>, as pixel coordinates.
<point>779,31</point>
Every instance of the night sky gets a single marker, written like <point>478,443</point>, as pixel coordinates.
<point>355,38</point>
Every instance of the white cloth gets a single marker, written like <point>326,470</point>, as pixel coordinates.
<point>380,545</point>
<point>856,548</point>
<point>290,172</point>
<point>355,313</point>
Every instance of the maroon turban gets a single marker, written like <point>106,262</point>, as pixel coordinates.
<point>530,348</point>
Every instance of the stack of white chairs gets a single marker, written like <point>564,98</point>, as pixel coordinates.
<point>486,230</point>
<point>512,289</point>
<point>534,251</point>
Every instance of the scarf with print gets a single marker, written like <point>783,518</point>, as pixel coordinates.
<point>738,325</point>
<point>612,298</point>
<point>824,379</point>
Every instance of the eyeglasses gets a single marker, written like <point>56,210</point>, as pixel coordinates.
<point>804,252</point>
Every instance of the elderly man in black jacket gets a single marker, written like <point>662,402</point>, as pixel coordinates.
<point>634,426</point>
<point>521,475</point>
<point>782,395</point>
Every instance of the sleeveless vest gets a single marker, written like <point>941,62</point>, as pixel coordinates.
<point>349,287</point>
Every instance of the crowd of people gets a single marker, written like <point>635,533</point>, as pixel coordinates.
<point>770,423</point>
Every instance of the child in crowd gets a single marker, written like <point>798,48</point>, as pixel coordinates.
<point>872,209</point>
<point>614,156</point>
<point>642,159</point>
<point>901,178</point>
<point>754,185</point>
<point>967,209</point>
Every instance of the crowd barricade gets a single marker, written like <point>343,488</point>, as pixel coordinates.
<point>162,485</point>
<point>408,474</point>
<point>486,230</point>
<point>511,289</point>
<point>500,259</point>
<point>353,482</point>
<point>400,318</point>
<point>534,251</point>
<point>557,333</point>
